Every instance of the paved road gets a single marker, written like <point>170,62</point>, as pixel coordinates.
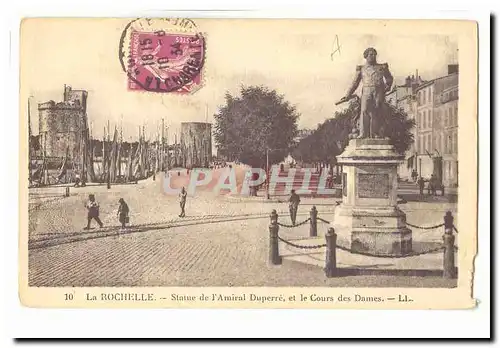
<point>196,251</point>
<point>224,254</point>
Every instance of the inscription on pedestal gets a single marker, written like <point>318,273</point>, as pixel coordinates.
<point>373,185</point>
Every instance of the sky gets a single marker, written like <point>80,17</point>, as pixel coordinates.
<point>310,62</point>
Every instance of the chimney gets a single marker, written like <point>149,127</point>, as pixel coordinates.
<point>452,69</point>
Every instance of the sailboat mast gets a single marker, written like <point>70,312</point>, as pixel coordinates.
<point>162,148</point>
<point>120,148</point>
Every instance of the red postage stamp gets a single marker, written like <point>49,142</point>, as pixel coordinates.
<point>165,62</point>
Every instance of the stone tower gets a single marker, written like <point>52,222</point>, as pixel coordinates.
<point>61,125</point>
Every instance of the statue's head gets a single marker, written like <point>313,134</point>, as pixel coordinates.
<point>370,55</point>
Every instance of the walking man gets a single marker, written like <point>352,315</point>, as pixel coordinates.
<point>293,206</point>
<point>433,185</point>
<point>182,201</point>
<point>421,184</point>
<point>93,212</point>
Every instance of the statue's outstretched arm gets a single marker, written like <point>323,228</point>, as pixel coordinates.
<point>355,83</point>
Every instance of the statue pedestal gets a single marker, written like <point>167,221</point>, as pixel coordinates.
<point>369,219</point>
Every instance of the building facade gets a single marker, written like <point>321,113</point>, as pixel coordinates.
<point>403,97</point>
<point>434,106</point>
<point>196,144</point>
<point>446,128</point>
<point>63,125</point>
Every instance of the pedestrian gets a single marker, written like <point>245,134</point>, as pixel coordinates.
<point>293,206</point>
<point>77,180</point>
<point>414,175</point>
<point>421,184</point>
<point>93,211</point>
<point>122,213</point>
<point>182,201</point>
<point>433,185</point>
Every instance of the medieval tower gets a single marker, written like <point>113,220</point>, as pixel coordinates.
<point>63,125</point>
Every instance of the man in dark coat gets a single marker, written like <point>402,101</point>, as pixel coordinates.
<point>293,206</point>
<point>93,211</point>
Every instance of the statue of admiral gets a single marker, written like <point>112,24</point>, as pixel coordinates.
<point>377,81</point>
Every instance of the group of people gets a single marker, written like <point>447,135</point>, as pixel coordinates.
<point>123,210</point>
<point>432,187</point>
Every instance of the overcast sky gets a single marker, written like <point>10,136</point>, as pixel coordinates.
<point>294,57</point>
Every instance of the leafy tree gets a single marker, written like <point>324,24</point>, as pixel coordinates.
<point>257,120</point>
<point>332,136</point>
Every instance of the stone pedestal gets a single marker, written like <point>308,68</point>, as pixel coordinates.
<point>369,218</point>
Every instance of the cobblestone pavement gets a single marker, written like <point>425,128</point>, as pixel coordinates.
<point>224,254</point>
<point>220,243</point>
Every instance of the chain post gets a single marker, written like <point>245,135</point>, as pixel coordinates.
<point>331,253</point>
<point>274,252</point>
<point>66,192</point>
<point>313,230</point>
<point>449,247</point>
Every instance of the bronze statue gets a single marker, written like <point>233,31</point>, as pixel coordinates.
<point>372,96</point>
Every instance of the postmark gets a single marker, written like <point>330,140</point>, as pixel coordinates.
<point>162,55</point>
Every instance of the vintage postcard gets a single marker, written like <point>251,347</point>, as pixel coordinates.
<point>248,163</point>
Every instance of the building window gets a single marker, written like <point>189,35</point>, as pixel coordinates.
<point>423,119</point>
<point>429,143</point>
<point>456,115</point>
<point>446,117</point>
<point>455,143</point>
<point>423,97</point>
<point>438,143</point>
<point>429,95</point>
<point>429,118</point>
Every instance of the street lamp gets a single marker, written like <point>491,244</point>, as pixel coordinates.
<point>267,173</point>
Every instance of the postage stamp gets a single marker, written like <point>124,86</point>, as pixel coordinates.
<point>322,164</point>
<point>161,59</point>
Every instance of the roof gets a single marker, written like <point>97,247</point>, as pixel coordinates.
<point>428,83</point>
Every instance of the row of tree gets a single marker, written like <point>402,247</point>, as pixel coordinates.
<point>332,136</point>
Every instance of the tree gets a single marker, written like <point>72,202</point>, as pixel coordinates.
<point>332,136</point>
<point>258,120</point>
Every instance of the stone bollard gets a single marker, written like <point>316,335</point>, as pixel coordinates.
<point>274,251</point>
<point>313,230</point>
<point>449,247</point>
<point>66,192</point>
<point>331,253</point>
